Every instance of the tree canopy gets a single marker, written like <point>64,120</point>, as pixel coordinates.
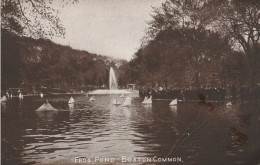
<point>200,34</point>
<point>32,18</point>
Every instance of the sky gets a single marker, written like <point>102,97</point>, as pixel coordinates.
<point>106,27</point>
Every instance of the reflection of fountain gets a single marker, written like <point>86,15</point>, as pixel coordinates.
<point>112,86</point>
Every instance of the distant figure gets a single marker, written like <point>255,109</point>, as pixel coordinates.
<point>92,98</point>
<point>41,95</point>
<point>46,107</point>
<point>173,102</point>
<point>71,101</point>
<point>7,95</point>
<point>46,101</point>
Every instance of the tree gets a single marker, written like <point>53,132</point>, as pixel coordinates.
<point>33,18</point>
<point>178,34</point>
<point>240,21</point>
<point>175,14</point>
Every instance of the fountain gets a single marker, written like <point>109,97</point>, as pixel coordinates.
<point>112,80</point>
<point>113,88</point>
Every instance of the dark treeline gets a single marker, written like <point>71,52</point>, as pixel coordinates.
<point>30,63</point>
<point>200,44</point>
<point>183,61</point>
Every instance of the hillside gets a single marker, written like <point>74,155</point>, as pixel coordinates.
<point>31,63</point>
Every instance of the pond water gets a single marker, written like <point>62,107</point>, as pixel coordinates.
<point>190,133</point>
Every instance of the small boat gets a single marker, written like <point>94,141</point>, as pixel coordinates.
<point>173,102</point>
<point>92,98</point>
<point>147,100</point>
<point>116,102</point>
<point>3,99</point>
<point>128,101</point>
<point>71,101</point>
<point>46,107</point>
<point>122,95</point>
<point>20,96</point>
<point>229,104</point>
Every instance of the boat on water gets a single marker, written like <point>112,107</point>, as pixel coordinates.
<point>3,99</point>
<point>173,102</point>
<point>46,107</point>
<point>122,95</point>
<point>20,96</point>
<point>229,104</point>
<point>116,102</point>
<point>147,100</point>
<point>92,98</point>
<point>128,101</point>
<point>71,101</point>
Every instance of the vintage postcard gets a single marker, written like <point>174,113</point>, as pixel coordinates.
<point>130,82</point>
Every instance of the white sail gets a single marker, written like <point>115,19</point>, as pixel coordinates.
<point>128,101</point>
<point>229,104</point>
<point>3,98</point>
<point>46,107</point>
<point>21,96</point>
<point>71,101</point>
<point>92,98</point>
<point>147,101</point>
<point>173,102</point>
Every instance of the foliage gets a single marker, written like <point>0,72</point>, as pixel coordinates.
<point>33,18</point>
<point>182,59</point>
<point>197,43</point>
<point>27,62</point>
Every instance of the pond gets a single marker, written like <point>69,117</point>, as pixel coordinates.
<point>102,133</point>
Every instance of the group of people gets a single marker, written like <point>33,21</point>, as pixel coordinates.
<point>208,93</point>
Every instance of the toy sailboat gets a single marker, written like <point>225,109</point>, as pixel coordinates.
<point>128,101</point>
<point>147,100</point>
<point>92,98</point>
<point>71,101</point>
<point>116,102</point>
<point>173,102</point>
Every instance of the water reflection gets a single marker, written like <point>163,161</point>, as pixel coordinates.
<point>199,133</point>
<point>71,106</point>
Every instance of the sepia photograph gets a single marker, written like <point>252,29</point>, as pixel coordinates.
<point>132,82</point>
